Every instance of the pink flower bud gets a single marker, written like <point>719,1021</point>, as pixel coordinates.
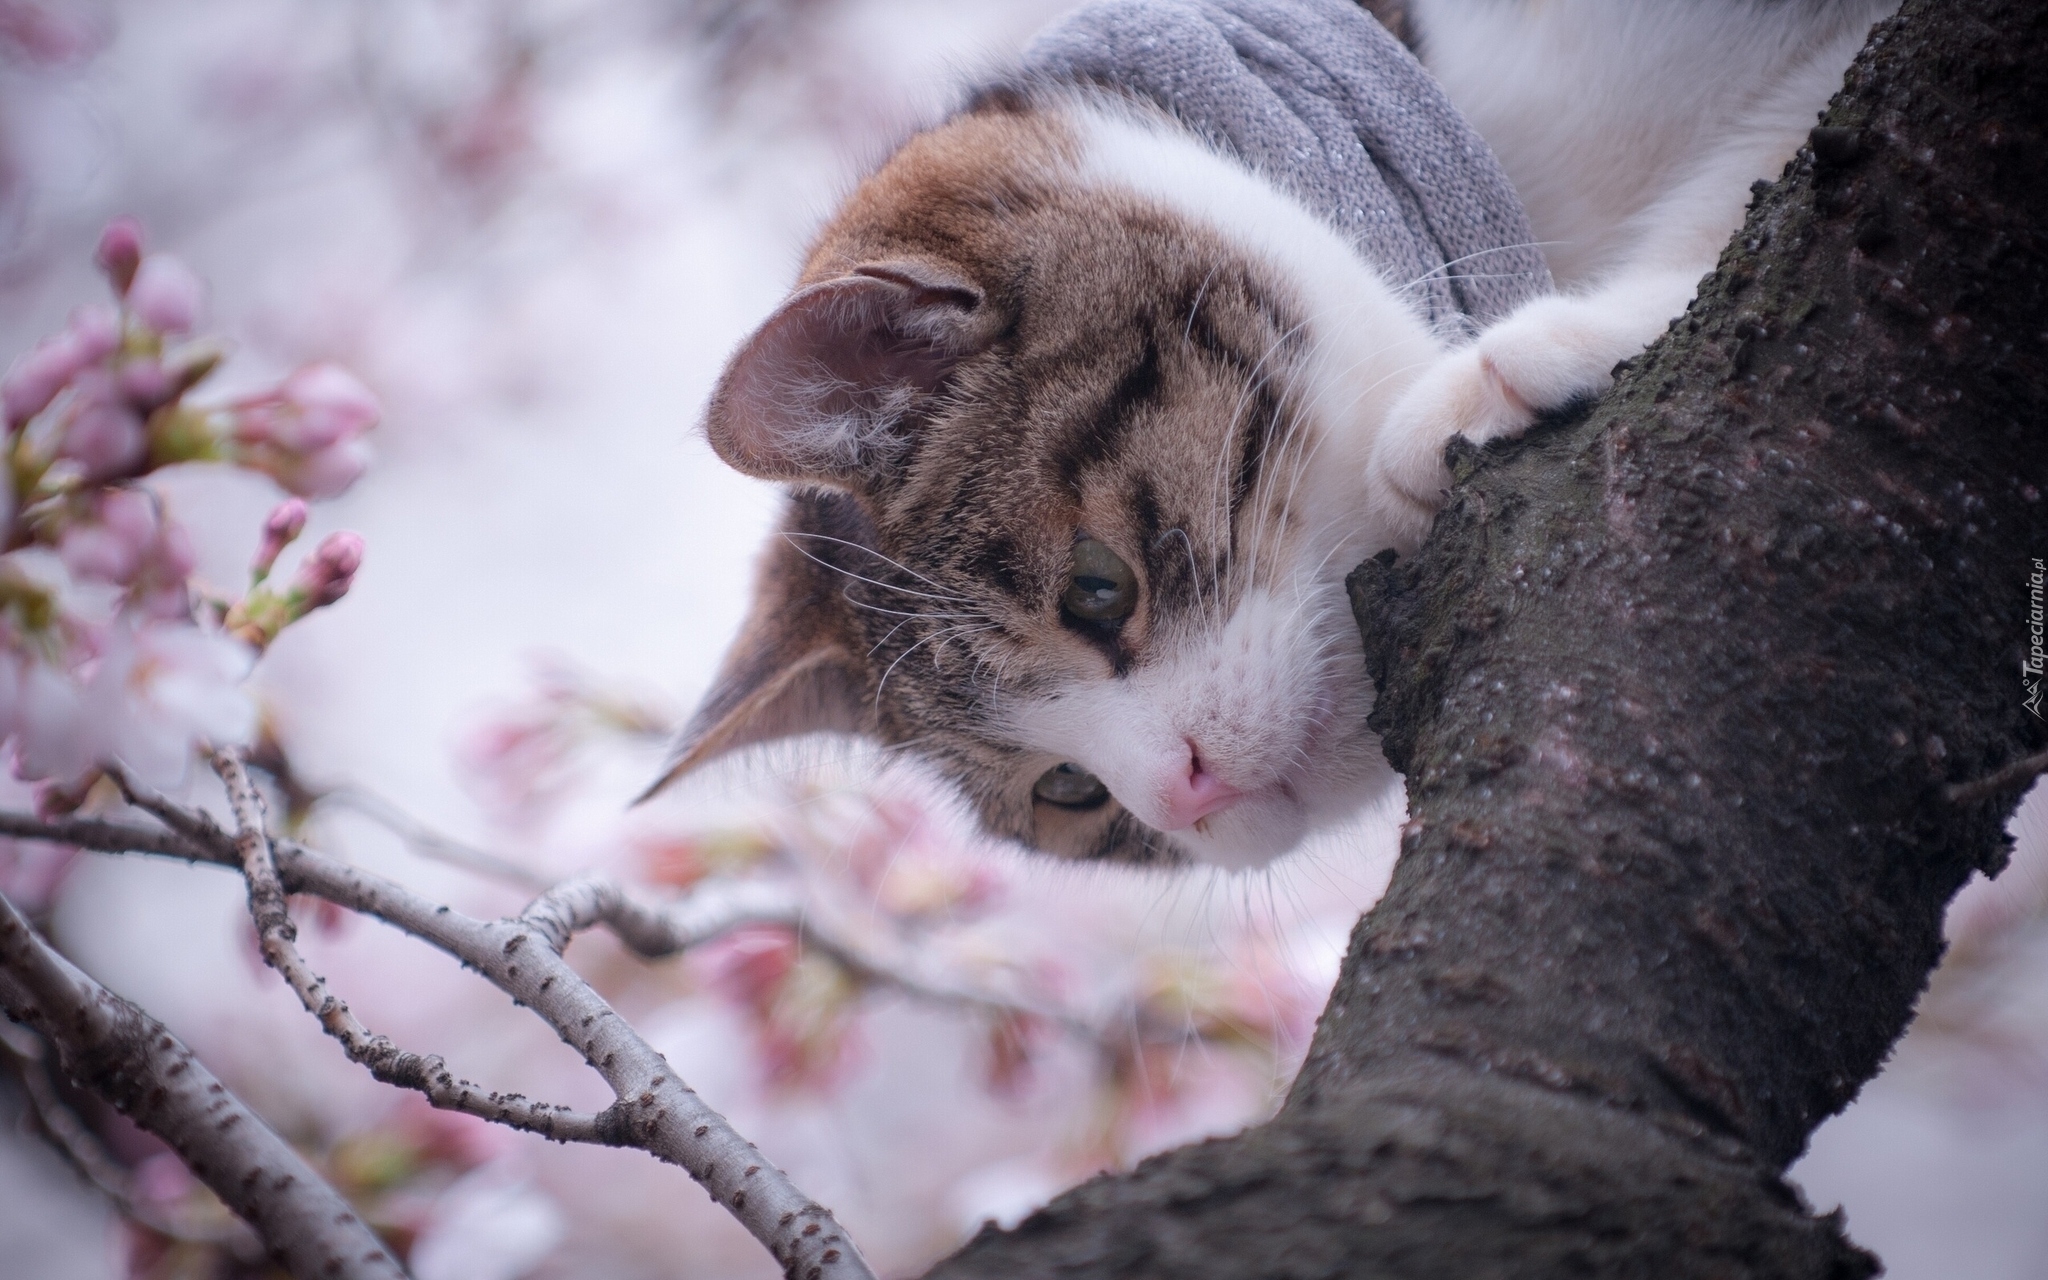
<point>38,376</point>
<point>332,404</point>
<point>120,252</point>
<point>112,546</point>
<point>327,473</point>
<point>146,384</point>
<point>97,331</point>
<point>287,521</point>
<point>102,434</point>
<point>166,294</point>
<point>327,574</point>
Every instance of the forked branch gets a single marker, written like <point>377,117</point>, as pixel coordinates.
<point>112,1047</point>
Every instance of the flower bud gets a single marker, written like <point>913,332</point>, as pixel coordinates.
<point>145,383</point>
<point>112,545</point>
<point>325,474</point>
<point>39,375</point>
<point>102,433</point>
<point>332,405</point>
<point>166,294</point>
<point>327,574</point>
<point>287,521</point>
<point>97,331</point>
<point>120,252</point>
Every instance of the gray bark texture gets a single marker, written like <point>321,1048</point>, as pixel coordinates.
<point>1679,684</point>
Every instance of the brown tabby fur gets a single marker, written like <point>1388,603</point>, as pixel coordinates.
<point>1126,380</point>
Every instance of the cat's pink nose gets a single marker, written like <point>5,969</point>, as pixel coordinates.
<point>1194,797</point>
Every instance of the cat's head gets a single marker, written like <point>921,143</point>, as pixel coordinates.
<point>1075,415</point>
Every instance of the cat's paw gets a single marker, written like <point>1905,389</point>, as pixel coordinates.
<point>1543,357</point>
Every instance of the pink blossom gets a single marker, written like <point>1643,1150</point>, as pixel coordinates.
<point>326,473</point>
<point>42,36</point>
<point>54,737</point>
<point>102,432</point>
<point>159,691</point>
<point>37,377</point>
<point>145,383</point>
<point>96,328</point>
<point>308,433</point>
<point>325,576</point>
<point>166,294</point>
<point>287,520</point>
<point>332,405</point>
<point>111,546</point>
<point>120,252</point>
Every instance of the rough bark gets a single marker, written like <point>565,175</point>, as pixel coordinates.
<point>116,1050</point>
<point>1678,685</point>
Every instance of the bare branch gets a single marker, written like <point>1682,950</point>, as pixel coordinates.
<point>654,1111</point>
<point>714,909</point>
<point>76,1141</point>
<point>2014,775</point>
<point>428,1073</point>
<point>427,842</point>
<point>129,1058</point>
<point>109,837</point>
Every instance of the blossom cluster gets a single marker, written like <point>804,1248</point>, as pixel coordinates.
<point>110,650</point>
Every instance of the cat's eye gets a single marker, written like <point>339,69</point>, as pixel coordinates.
<point>1070,787</point>
<point>1100,587</point>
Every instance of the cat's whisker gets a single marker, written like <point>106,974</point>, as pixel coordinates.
<point>903,613</point>
<point>883,683</point>
<point>938,587</point>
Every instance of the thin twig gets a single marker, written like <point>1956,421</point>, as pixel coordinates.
<point>112,1047</point>
<point>428,843</point>
<point>2006,779</point>
<point>652,932</point>
<point>278,937</point>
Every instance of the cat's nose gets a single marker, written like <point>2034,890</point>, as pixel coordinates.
<point>1196,795</point>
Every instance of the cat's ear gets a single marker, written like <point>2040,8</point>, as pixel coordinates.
<point>819,393</point>
<point>791,671</point>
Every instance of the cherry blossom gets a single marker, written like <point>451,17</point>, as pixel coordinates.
<point>103,656</point>
<point>166,294</point>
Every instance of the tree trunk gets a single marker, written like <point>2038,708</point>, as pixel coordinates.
<point>1678,684</point>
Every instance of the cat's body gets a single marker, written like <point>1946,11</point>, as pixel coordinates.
<point>1087,420</point>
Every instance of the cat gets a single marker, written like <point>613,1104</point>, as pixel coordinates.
<point>1085,415</point>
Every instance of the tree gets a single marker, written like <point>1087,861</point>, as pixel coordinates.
<point>1709,696</point>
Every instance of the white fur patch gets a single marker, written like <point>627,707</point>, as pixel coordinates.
<point>1271,698</point>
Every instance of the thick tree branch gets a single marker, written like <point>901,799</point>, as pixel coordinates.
<point>127,1057</point>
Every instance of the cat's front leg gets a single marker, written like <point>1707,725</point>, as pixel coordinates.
<point>1546,354</point>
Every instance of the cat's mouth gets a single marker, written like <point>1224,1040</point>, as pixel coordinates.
<point>1283,791</point>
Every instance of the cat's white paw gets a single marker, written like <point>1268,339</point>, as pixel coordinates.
<point>1543,357</point>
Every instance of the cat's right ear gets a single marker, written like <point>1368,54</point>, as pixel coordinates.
<point>821,391</point>
<point>792,670</point>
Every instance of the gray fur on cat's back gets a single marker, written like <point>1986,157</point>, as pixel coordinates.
<point>1319,98</point>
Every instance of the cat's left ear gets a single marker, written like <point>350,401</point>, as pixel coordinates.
<point>821,390</point>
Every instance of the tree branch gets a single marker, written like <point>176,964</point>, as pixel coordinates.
<point>654,1110</point>
<point>1679,684</point>
<point>129,1058</point>
<point>277,937</point>
<point>2016,776</point>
